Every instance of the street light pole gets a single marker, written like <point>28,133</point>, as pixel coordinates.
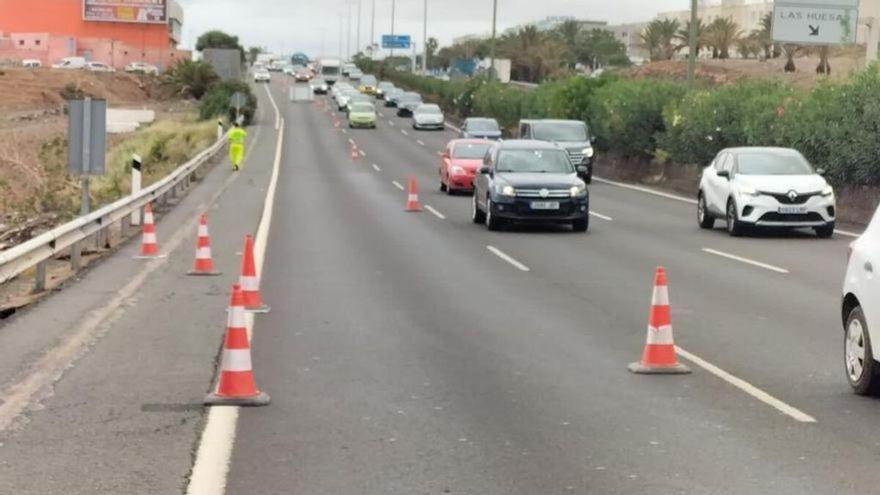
<point>348,38</point>
<point>425,41</point>
<point>357,46</point>
<point>373,32</point>
<point>393,5</point>
<point>692,46</point>
<point>492,49</point>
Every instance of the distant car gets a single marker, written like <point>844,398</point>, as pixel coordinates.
<point>338,89</point>
<point>303,75</point>
<point>481,128</point>
<point>98,67</point>
<point>70,63</point>
<point>142,68</point>
<point>391,96</point>
<point>572,135</point>
<point>347,68</point>
<point>428,116</point>
<point>262,75</point>
<point>861,313</point>
<point>368,85</point>
<point>524,181</point>
<point>31,63</point>
<point>765,187</point>
<point>407,103</point>
<point>319,86</point>
<point>355,74</point>
<point>345,97</point>
<point>383,88</point>
<point>357,97</point>
<point>362,114</point>
<point>460,162</point>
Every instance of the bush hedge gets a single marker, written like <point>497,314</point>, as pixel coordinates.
<point>216,102</point>
<point>835,125</point>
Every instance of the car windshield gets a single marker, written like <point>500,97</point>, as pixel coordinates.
<point>429,110</point>
<point>317,82</point>
<point>763,163</point>
<point>543,161</point>
<point>368,81</point>
<point>361,107</point>
<point>359,98</point>
<point>470,150</point>
<point>409,97</point>
<point>482,125</point>
<point>385,85</point>
<point>560,131</point>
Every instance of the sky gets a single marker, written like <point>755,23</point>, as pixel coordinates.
<point>314,26</point>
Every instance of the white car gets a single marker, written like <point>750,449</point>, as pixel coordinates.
<point>765,187</point>
<point>340,88</point>
<point>70,63</point>
<point>861,311</point>
<point>428,116</point>
<point>31,63</point>
<point>142,68</point>
<point>99,67</point>
<point>262,75</point>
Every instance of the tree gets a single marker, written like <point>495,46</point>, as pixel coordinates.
<point>253,52</point>
<point>219,39</point>
<point>658,38</point>
<point>190,79</point>
<point>683,36</point>
<point>791,51</point>
<point>430,50</point>
<point>764,36</point>
<point>569,34</point>
<point>600,47</point>
<point>721,34</point>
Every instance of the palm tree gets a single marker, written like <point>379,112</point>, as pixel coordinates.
<point>720,35</point>
<point>764,36</point>
<point>683,36</point>
<point>824,67</point>
<point>658,38</point>
<point>569,33</point>
<point>791,51</point>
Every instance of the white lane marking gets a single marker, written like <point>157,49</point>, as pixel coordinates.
<point>398,185</point>
<point>451,127</point>
<point>747,387</point>
<point>421,143</point>
<point>403,131</point>
<point>351,142</point>
<point>391,123</point>
<point>646,190</point>
<point>439,153</point>
<point>603,217</point>
<point>745,260</point>
<point>344,131</point>
<point>847,233</point>
<point>275,106</point>
<point>501,254</point>
<point>435,212</point>
<point>381,114</point>
<point>376,167</point>
<point>211,466</point>
<point>362,153</point>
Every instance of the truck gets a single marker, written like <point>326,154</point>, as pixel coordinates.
<point>329,68</point>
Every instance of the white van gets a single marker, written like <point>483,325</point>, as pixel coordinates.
<point>31,63</point>
<point>71,63</point>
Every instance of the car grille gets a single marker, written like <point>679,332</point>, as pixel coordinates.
<point>790,217</point>
<point>536,193</point>
<point>576,157</point>
<point>798,200</point>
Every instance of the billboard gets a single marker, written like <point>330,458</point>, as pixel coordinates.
<point>396,41</point>
<point>137,11</point>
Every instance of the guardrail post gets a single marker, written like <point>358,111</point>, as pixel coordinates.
<point>40,277</point>
<point>76,256</point>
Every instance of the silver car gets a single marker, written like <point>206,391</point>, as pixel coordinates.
<point>428,116</point>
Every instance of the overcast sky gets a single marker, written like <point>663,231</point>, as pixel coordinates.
<point>313,26</point>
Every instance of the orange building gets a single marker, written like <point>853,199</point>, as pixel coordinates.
<point>115,32</point>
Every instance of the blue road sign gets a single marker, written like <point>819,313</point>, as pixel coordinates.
<point>396,41</point>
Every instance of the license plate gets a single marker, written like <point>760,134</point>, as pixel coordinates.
<point>792,209</point>
<point>545,205</point>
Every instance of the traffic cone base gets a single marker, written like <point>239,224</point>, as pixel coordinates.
<point>194,273</point>
<point>659,357</point>
<point>675,369</point>
<point>261,399</point>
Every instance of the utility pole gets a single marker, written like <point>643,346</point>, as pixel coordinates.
<point>692,46</point>
<point>340,36</point>
<point>373,32</point>
<point>425,41</point>
<point>357,46</point>
<point>492,49</point>
<point>393,5</point>
<point>348,39</point>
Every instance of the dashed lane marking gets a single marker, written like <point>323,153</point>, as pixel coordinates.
<point>376,168</point>
<point>745,260</point>
<point>506,257</point>
<point>421,143</point>
<point>403,131</point>
<point>398,185</point>
<point>435,212</point>
<point>603,217</point>
<point>362,153</point>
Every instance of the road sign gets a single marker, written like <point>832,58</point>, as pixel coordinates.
<point>815,22</point>
<point>237,100</point>
<point>86,137</point>
<point>396,41</point>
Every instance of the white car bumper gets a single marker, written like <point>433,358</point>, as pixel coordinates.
<point>767,211</point>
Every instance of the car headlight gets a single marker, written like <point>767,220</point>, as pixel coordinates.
<point>828,191</point>
<point>456,170</point>
<point>588,152</point>
<point>578,191</point>
<point>506,191</point>
<point>748,191</point>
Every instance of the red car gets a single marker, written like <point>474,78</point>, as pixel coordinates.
<point>460,162</point>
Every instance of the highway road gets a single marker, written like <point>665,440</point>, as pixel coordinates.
<point>419,353</point>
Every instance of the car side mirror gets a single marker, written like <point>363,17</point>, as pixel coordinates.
<point>484,170</point>
<point>724,173</point>
<point>592,139</point>
<point>821,171</point>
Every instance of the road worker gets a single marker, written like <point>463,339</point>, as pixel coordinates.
<point>236,145</point>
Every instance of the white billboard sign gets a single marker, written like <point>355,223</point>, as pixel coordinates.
<point>815,22</point>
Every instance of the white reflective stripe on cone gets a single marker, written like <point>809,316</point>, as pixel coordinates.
<point>236,317</point>
<point>249,284</point>
<point>660,336</point>
<point>150,238</point>
<point>236,360</point>
<point>413,197</point>
<point>661,296</point>
<point>203,253</point>
<point>148,218</point>
<point>203,231</point>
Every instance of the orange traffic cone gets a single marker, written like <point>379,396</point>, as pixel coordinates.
<point>250,283</point>
<point>412,200</point>
<point>236,386</point>
<point>355,155</point>
<point>659,356</point>
<point>204,264</point>
<point>149,244</point>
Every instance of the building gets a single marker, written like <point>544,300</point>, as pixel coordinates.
<point>553,22</point>
<point>747,14</point>
<point>631,37</point>
<point>113,32</point>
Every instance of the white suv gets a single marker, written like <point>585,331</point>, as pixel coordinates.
<point>765,187</point>
<point>861,311</point>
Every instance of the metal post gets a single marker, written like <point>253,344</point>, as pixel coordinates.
<point>414,58</point>
<point>425,40</point>
<point>692,46</point>
<point>135,185</point>
<point>492,45</point>
<point>85,205</point>
<point>373,32</point>
<point>40,277</point>
<point>348,40</point>
<point>219,130</point>
<point>393,5</point>
<point>357,46</point>
<point>873,41</point>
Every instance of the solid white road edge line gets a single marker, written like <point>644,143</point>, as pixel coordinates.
<point>435,212</point>
<point>376,167</point>
<point>501,254</point>
<point>603,217</point>
<point>747,387</point>
<point>211,465</point>
<point>398,185</point>
<point>745,260</point>
<point>275,106</point>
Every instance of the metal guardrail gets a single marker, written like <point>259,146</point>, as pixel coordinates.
<point>71,237</point>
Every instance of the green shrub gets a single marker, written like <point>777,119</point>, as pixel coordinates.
<point>190,79</point>
<point>216,102</point>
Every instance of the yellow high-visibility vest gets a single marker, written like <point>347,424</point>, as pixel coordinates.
<point>237,135</point>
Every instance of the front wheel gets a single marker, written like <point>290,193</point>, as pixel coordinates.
<point>478,216</point>
<point>861,369</point>
<point>826,231</point>
<point>704,218</point>
<point>734,226</point>
<point>493,223</point>
<point>581,225</point>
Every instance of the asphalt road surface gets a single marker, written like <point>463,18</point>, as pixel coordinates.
<point>418,353</point>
